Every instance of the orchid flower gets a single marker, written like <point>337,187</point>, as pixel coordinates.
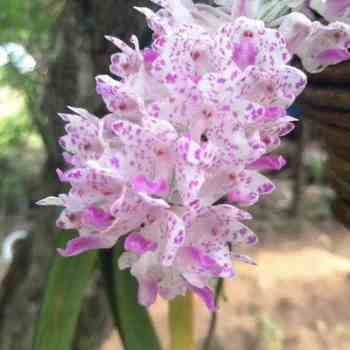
<point>192,120</point>
<point>332,10</point>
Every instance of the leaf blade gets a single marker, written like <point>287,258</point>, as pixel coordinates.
<point>67,281</point>
<point>132,319</point>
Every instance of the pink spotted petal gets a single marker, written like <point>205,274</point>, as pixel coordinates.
<point>178,9</point>
<point>244,54</point>
<point>246,8</point>
<point>329,56</point>
<point>132,210</point>
<point>172,236</point>
<point>119,98</point>
<point>273,113</point>
<point>85,243</point>
<point>264,47</point>
<point>325,45</point>
<point>198,260</point>
<point>279,86</point>
<point>136,243</point>
<point>268,163</point>
<point>213,226</point>
<point>97,217</point>
<point>207,295</point>
<point>332,10</point>
<point>295,27</point>
<point>125,63</point>
<point>142,184</point>
<point>252,185</point>
<point>156,21</point>
<point>244,258</point>
<point>69,219</point>
<point>336,7</point>
<point>147,292</point>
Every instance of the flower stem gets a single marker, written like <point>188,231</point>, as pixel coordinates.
<point>181,323</point>
<point>212,326</point>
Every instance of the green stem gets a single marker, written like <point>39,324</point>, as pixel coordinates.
<point>181,323</point>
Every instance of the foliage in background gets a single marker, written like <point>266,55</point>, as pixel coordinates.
<point>20,145</point>
<point>25,49</point>
<point>269,332</point>
<point>66,287</point>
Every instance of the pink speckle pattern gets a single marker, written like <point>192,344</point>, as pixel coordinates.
<point>192,120</point>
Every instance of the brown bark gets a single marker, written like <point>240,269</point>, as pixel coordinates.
<point>326,103</point>
<point>299,171</point>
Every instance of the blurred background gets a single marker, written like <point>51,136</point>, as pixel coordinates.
<point>297,298</point>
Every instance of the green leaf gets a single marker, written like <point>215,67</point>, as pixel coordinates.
<point>273,9</point>
<point>67,281</point>
<point>131,319</point>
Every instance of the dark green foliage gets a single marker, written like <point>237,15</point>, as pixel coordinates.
<point>65,290</point>
<point>131,319</point>
<point>24,133</point>
<point>66,286</point>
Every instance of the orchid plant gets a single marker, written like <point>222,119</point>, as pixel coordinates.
<point>193,122</point>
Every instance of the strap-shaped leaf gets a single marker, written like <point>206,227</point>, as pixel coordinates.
<point>67,281</point>
<point>131,319</point>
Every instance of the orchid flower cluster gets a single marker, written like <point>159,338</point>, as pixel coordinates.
<point>193,122</point>
<point>330,10</point>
